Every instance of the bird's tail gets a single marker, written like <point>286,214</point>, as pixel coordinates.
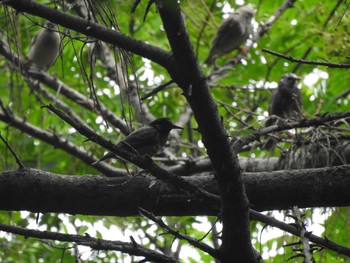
<point>103,158</point>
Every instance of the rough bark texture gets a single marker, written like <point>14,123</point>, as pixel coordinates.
<point>40,191</point>
<point>187,74</point>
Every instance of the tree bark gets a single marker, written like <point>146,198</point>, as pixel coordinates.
<point>39,191</point>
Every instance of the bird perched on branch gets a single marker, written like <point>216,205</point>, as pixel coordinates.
<point>285,103</point>
<point>232,33</point>
<point>286,100</point>
<point>147,140</point>
<point>45,47</point>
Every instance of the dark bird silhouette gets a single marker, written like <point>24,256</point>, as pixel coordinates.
<point>285,104</point>
<point>232,33</point>
<point>285,101</point>
<point>147,140</point>
<point>45,47</point>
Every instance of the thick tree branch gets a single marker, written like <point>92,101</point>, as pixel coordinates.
<point>187,74</point>
<point>144,162</point>
<point>32,189</point>
<point>95,243</point>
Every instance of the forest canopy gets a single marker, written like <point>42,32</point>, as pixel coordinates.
<point>256,164</point>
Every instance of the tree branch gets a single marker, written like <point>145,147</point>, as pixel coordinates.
<point>317,121</point>
<point>307,62</point>
<point>304,236</point>
<point>58,142</point>
<point>8,146</point>
<point>61,88</point>
<point>144,162</point>
<point>82,194</point>
<point>324,242</point>
<point>187,74</point>
<point>194,242</point>
<point>32,190</point>
<point>94,243</point>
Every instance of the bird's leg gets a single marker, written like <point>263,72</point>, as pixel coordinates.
<point>244,50</point>
<point>273,120</point>
<point>132,150</point>
<point>127,169</point>
<point>319,107</point>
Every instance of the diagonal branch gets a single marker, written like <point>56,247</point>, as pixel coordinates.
<point>56,141</point>
<point>144,162</point>
<point>8,146</point>
<point>325,242</point>
<point>187,74</point>
<point>194,242</point>
<point>61,88</point>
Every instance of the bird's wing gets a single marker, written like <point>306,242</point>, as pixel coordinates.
<point>34,41</point>
<point>139,139</point>
<point>298,97</point>
<point>273,100</point>
<point>224,38</point>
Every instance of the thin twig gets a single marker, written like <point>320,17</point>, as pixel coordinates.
<point>325,242</point>
<point>18,161</point>
<point>194,242</point>
<point>157,89</point>
<point>94,243</point>
<point>308,62</point>
<point>317,121</point>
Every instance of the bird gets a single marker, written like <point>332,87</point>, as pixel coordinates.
<point>81,7</point>
<point>147,140</point>
<point>232,33</point>
<point>285,102</point>
<point>45,47</point>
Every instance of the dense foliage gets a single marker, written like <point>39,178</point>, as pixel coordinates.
<point>311,30</point>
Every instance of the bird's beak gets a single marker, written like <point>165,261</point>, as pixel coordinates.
<point>176,127</point>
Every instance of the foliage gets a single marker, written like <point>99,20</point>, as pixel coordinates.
<point>246,88</point>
